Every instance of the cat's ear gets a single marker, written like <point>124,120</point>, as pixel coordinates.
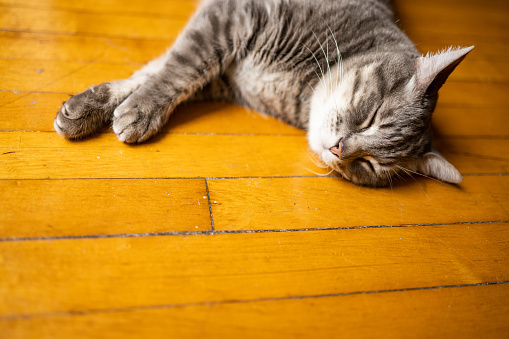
<point>433,164</point>
<point>433,70</point>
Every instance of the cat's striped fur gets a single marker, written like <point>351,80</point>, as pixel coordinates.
<point>341,69</point>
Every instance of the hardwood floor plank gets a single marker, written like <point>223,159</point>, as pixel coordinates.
<point>466,312</point>
<point>90,275</point>
<point>48,155</point>
<point>215,117</point>
<point>306,203</point>
<point>35,208</point>
<point>478,20</point>
<point>468,121</point>
<point>75,48</point>
<point>51,76</point>
<point>45,155</point>
<point>473,94</point>
<point>239,204</point>
<point>171,8</point>
<point>98,24</point>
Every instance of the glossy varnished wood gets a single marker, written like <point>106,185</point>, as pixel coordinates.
<point>101,273</point>
<point>81,207</point>
<point>305,203</point>
<point>197,155</point>
<point>471,312</point>
<point>167,155</point>
<point>220,226</point>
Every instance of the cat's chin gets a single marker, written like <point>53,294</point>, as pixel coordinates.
<point>329,159</point>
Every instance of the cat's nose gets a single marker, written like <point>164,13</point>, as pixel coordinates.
<point>337,150</point>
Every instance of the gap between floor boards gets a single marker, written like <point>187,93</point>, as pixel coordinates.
<point>237,301</point>
<point>222,232</point>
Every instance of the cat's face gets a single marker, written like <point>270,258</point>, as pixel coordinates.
<point>372,121</point>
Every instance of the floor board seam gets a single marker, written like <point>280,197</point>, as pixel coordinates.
<point>210,206</point>
<point>28,316</point>
<point>224,232</point>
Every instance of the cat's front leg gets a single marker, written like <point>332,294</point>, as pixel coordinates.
<point>204,50</point>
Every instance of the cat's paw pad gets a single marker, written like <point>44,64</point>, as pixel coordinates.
<point>135,123</point>
<point>84,113</point>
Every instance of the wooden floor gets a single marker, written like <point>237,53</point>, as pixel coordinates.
<point>220,227</point>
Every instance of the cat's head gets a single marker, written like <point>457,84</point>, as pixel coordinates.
<point>370,118</point>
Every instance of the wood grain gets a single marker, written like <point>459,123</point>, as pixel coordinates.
<point>306,203</point>
<point>51,47</point>
<point>51,76</point>
<point>35,208</point>
<point>477,20</point>
<point>467,312</point>
<point>60,21</point>
<point>98,207</point>
<point>48,155</point>
<point>100,274</point>
<point>469,121</point>
<point>173,8</point>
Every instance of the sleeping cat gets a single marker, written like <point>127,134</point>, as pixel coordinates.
<point>340,69</point>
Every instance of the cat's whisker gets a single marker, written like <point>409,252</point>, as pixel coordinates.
<point>388,175</point>
<point>315,160</point>
<point>318,63</point>
<point>400,177</point>
<point>339,73</point>
<point>326,59</point>
<point>319,174</point>
<point>311,87</point>
<point>330,88</point>
<point>407,171</point>
<point>423,175</point>
<point>397,177</point>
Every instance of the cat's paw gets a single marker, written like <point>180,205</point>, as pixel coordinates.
<point>84,113</point>
<point>137,119</point>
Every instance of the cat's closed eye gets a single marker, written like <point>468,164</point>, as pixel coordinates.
<point>367,164</point>
<point>371,120</point>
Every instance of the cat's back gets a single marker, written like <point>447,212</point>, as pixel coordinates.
<point>294,42</point>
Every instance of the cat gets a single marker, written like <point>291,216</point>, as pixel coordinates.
<point>340,69</point>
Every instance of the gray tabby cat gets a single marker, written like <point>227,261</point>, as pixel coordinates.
<point>340,69</point>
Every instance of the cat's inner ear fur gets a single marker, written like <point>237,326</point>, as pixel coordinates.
<point>434,165</point>
<point>433,70</point>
